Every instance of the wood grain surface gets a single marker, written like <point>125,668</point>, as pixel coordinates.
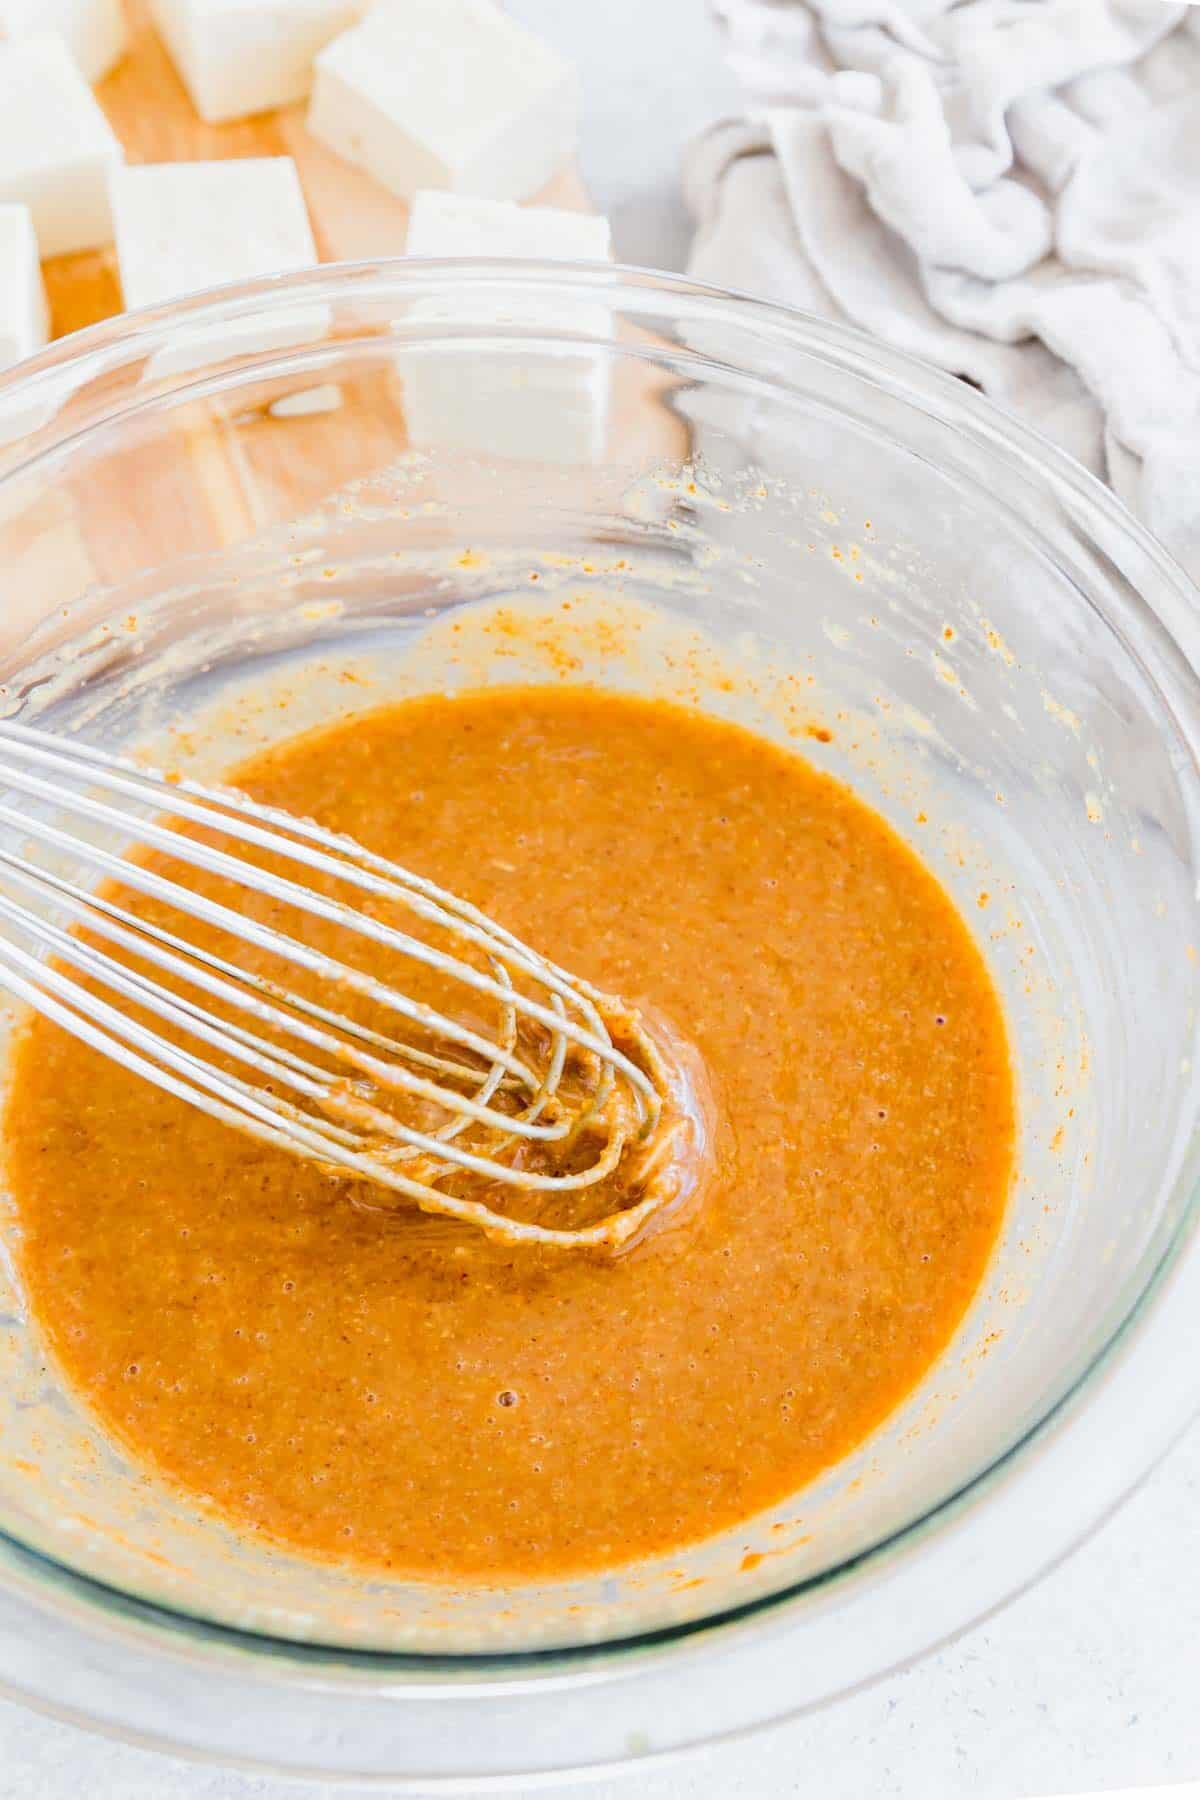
<point>152,114</point>
<point>218,472</point>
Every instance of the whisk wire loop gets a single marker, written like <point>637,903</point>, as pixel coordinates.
<point>549,1075</point>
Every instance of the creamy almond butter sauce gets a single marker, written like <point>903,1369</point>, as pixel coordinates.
<point>354,1380</point>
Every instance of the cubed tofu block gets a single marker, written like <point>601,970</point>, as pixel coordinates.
<point>441,224</point>
<point>245,56</point>
<point>182,227</point>
<point>94,30</point>
<point>57,149</point>
<point>446,94</point>
<point>530,400</point>
<point>24,315</point>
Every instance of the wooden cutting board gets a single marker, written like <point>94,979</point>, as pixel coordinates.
<point>220,479</point>
<point>151,113</point>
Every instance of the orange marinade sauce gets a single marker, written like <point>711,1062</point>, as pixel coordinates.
<point>376,1386</point>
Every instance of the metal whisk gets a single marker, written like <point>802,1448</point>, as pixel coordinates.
<point>563,1089</point>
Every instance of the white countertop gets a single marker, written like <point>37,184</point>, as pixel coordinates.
<point>1088,1681</point>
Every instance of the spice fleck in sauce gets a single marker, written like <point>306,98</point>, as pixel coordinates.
<point>372,1385</point>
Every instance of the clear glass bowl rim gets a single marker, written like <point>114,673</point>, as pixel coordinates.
<point>1162,628</point>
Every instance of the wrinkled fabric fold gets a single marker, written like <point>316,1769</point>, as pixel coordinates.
<point>1009,189</point>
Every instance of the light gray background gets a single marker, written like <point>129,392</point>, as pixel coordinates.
<point>1089,1681</point>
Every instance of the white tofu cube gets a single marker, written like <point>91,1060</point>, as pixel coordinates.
<point>57,149</point>
<point>446,94</point>
<point>94,30</point>
<point>441,224</point>
<point>245,56</point>
<point>183,227</point>
<point>24,314</point>
<point>529,400</point>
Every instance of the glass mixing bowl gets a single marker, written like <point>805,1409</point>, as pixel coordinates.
<point>222,519</point>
